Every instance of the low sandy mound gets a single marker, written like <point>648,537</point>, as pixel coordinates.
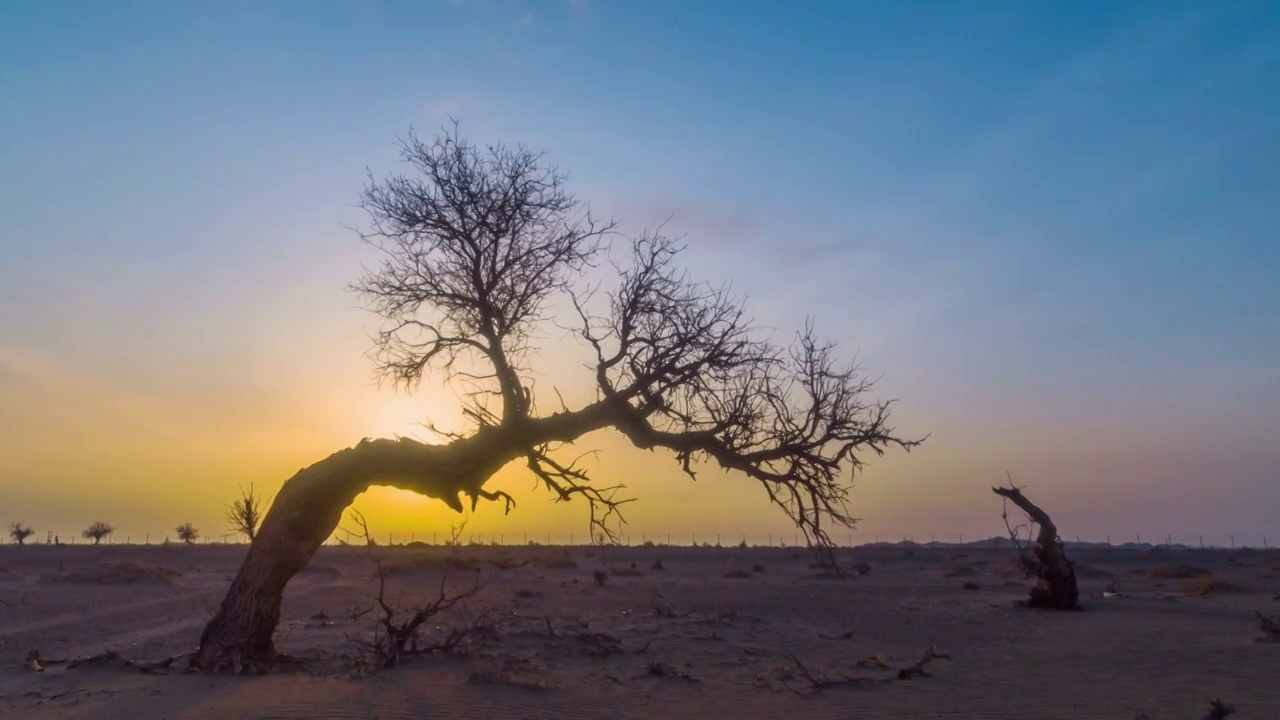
<point>1206,586</point>
<point>422,565</point>
<point>555,562</point>
<point>123,573</point>
<point>1173,572</point>
<point>1089,572</point>
<point>1013,568</point>
<point>324,572</point>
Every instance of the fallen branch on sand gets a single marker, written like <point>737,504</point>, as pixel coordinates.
<point>799,678</point>
<point>660,669</point>
<point>106,657</point>
<point>917,670</point>
<point>502,677</point>
<point>596,643</point>
<point>816,681</point>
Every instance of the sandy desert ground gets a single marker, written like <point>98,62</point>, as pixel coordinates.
<point>717,632</point>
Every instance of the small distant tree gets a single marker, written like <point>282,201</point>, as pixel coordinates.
<point>97,531</point>
<point>20,533</point>
<point>245,514</point>
<point>187,533</point>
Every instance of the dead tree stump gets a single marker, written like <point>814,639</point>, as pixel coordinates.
<point>1055,575</point>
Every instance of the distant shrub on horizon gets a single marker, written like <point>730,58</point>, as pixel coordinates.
<point>97,531</point>
<point>20,532</point>
<point>187,533</point>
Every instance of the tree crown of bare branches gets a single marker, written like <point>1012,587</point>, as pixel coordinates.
<point>472,248</point>
<point>20,532</point>
<point>187,532</point>
<point>97,531</point>
<point>245,513</point>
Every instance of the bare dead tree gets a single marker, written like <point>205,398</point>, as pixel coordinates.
<point>187,533</point>
<point>1055,586</point>
<point>20,532</point>
<point>97,531</point>
<point>245,513</point>
<point>475,246</point>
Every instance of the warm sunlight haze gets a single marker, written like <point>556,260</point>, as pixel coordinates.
<point>1041,238</point>
<point>1064,269</point>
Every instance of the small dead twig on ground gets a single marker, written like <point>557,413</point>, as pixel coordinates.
<point>660,669</point>
<point>501,677</point>
<point>1218,710</point>
<point>597,643</point>
<point>1270,627</point>
<point>394,639</point>
<point>917,669</point>
<point>665,610</point>
<point>106,657</point>
<point>814,681</point>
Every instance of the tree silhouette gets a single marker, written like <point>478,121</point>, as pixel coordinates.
<point>97,531</point>
<point>245,514</point>
<point>477,247</point>
<point>20,532</point>
<point>187,533</point>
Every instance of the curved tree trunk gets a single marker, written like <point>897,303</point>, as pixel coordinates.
<point>310,504</point>
<point>1055,586</point>
<point>306,512</point>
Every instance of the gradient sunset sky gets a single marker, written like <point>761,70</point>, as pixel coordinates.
<point>1051,229</point>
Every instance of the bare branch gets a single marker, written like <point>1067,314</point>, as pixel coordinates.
<point>916,669</point>
<point>473,246</point>
<point>570,480</point>
<point>700,380</point>
<point>244,514</point>
<point>475,243</point>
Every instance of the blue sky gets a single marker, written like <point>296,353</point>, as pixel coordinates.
<point>1051,226</point>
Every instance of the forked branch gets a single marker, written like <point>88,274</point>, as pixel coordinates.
<point>568,480</point>
<point>699,379</point>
